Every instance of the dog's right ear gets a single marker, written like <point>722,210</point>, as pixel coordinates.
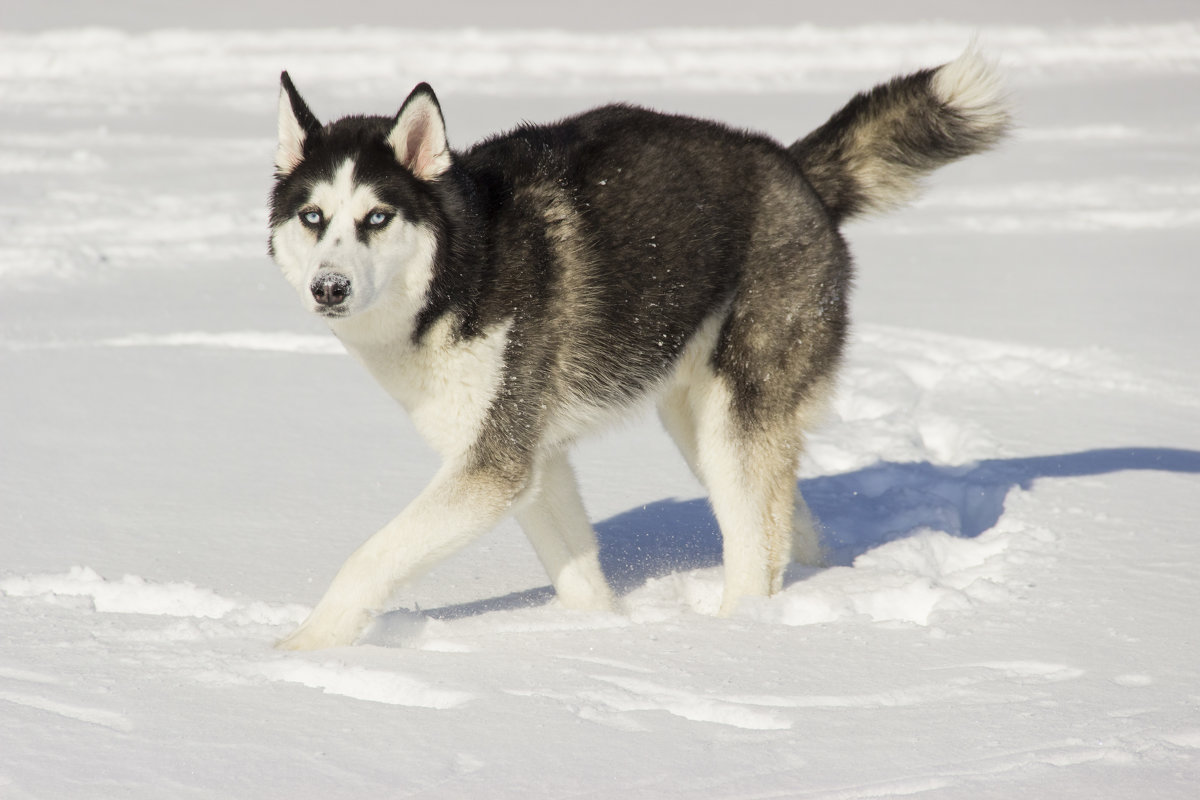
<point>297,125</point>
<point>418,136</point>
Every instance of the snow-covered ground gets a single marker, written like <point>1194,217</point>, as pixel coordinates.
<point>1009,481</point>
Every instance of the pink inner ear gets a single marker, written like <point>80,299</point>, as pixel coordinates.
<point>416,151</point>
<point>418,140</point>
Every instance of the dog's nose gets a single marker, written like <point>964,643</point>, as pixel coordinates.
<point>330,289</point>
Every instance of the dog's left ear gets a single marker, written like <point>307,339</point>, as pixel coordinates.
<point>418,136</point>
<point>297,126</point>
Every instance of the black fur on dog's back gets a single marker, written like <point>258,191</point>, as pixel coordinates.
<point>650,224</point>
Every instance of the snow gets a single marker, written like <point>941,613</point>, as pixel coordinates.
<point>1008,482</point>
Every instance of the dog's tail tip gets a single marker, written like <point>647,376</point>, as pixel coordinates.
<point>973,86</point>
<point>872,154</point>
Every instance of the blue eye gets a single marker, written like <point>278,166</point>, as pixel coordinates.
<point>313,219</point>
<point>377,219</point>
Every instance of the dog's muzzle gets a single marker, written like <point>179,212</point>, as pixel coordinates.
<point>330,289</point>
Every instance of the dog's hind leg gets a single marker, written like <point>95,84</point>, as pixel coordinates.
<point>554,519</point>
<point>751,483</point>
<point>675,412</point>
<point>806,540</point>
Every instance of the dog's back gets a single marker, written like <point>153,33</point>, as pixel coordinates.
<point>617,234</point>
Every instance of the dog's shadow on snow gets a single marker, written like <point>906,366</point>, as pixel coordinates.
<point>857,512</point>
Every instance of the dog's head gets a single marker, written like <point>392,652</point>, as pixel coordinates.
<point>353,209</point>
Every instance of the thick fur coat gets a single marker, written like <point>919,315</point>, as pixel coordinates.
<point>517,294</point>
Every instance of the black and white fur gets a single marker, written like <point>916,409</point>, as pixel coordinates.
<point>518,294</point>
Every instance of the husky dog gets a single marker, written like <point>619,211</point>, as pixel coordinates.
<point>518,294</point>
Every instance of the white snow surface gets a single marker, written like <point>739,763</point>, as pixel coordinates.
<point>1008,482</point>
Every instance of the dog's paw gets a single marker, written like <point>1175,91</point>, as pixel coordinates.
<point>302,639</point>
<point>320,633</point>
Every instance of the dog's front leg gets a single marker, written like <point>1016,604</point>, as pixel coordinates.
<point>459,505</point>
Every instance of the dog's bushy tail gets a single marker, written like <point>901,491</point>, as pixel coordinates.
<point>871,155</point>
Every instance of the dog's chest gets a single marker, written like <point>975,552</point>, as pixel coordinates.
<point>446,384</point>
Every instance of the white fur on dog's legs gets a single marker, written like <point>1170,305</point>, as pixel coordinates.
<point>675,413</point>
<point>764,519</point>
<point>751,485</point>
<point>456,507</point>
<point>557,526</point>
<point>806,541</point>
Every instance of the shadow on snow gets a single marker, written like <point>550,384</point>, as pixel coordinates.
<point>857,511</point>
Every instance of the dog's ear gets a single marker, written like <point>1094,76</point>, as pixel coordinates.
<point>418,136</point>
<point>297,125</point>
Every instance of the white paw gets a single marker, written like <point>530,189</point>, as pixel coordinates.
<point>584,592</point>
<point>321,631</point>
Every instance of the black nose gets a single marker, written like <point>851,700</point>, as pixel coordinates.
<point>330,289</point>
